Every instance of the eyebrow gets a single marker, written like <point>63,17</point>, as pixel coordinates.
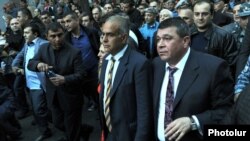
<point>164,35</point>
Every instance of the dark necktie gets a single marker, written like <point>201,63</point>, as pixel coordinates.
<point>107,100</point>
<point>169,97</point>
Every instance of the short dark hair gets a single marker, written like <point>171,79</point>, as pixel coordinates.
<point>34,28</point>
<point>54,26</point>
<point>45,13</point>
<point>72,14</point>
<point>182,28</point>
<point>205,1</point>
<point>26,11</point>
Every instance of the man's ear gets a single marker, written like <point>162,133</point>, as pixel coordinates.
<point>124,38</point>
<point>186,41</point>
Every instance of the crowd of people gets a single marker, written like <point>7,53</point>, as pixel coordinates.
<point>153,70</point>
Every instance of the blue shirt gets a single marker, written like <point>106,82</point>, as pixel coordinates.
<point>147,32</point>
<point>32,80</point>
<point>89,58</point>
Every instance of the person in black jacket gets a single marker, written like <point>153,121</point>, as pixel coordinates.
<point>64,73</point>
<point>88,41</point>
<point>210,38</point>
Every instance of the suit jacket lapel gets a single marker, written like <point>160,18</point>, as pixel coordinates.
<point>122,68</point>
<point>158,80</point>
<point>51,55</point>
<point>102,79</point>
<point>188,76</point>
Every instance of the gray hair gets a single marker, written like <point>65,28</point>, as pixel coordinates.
<point>122,21</point>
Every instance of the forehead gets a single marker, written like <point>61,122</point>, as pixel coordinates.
<point>107,5</point>
<point>54,33</point>
<point>202,7</point>
<point>27,29</point>
<point>14,20</point>
<point>85,17</point>
<point>185,12</point>
<point>164,12</point>
<point>95,10</point>
<point>68,17</point>
<point>109,27</point>
<point>169,31</point>
<point>237,7</point>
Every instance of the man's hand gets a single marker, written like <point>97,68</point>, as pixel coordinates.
<point>43,67</point>
<point>58,80</point>
<point>17,70</point>
<point>178,128</point>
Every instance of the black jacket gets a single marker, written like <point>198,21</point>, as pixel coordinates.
<point>221,44</point>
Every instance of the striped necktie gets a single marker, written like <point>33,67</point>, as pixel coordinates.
<point>169,97</point>
<point>107,100</point>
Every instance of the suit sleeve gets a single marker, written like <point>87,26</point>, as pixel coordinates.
<point>79,71</point>
<point>220,96</point>
<point>144,104</point>
<point>18,60</point>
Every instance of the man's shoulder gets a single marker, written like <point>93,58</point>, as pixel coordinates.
<point>219,31</point>
<point>42,41</point>
<point>205,58</point>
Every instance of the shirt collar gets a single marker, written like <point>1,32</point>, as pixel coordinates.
<point>33,42</point>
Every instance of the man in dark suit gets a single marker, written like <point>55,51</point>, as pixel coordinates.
<point>63,66</point>
<point>199,92</point>
<point>125,105</point>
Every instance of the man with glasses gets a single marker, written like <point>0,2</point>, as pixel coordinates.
<point>211,39</point>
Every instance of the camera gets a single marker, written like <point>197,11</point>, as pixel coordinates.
<point>50,73</point>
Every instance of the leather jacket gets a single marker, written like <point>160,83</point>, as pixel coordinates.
<point>220,43</point>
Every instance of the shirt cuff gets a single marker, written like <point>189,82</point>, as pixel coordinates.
<point>198,124</point>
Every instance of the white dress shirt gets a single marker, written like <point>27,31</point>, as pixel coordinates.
<point>177,75</point>
<point>117,58</point>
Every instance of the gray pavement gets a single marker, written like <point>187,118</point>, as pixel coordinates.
<point>30,132</point>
